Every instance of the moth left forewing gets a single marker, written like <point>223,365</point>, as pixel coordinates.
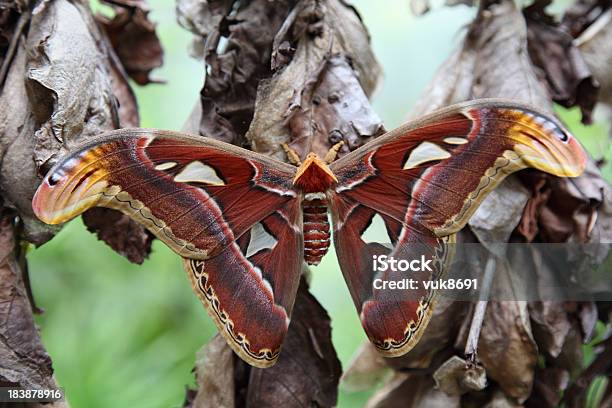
<point>196,195</point>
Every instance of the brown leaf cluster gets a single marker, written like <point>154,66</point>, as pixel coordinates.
<point>553,50</point>
<point>299,74</point>
<point>526,57</point>
<point>57,95</point>
<point>61,81</point>
<point>133,38</point>
<point>24,361</point>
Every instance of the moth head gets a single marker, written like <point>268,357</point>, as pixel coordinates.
<point>314,175</point>
<point>544,144</point>
<point>72,186</point>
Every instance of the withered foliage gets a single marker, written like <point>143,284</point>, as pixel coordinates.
<point>133,38</point>
<point>24,361</point>
<point>297,73</point>
<point>53,96</point>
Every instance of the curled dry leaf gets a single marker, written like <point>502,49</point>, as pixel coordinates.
<point>134,39</point>
<point>457,376</point>
<point>316,95</point>
<point>507,348</point>
<point>567,74</point>
<point>540,194</point>
<point>571,211</point>
<point>203,18</point>
<point>490,224</point>
<point>502,67</point>
<point>18,172</point>
<point>319,96</point>
<point>72,86</point>
<point>237,50</point>
<point>214,376</point>
<point>58,96</point>
<point>595,44</point>
<point>550,324</point>
<point>366,369</point>
<point>492,61</point>
<point>407,390</point>
<point>23,359</point>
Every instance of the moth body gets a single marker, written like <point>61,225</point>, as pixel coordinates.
<point>314,178</point>
<point>244,223</point>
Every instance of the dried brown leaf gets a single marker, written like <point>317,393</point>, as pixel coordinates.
<point>411,391</point>
<point>595,44</point>
<point>320,97</point>
<point>18,173</point>
<point>70,93</point>
<point>203,18</point>
<point>492,61</point>
<point>366,369</point>
<point>338,111</point>
<point>540,194</point>
<point>493,225</point>
<point>550,324</point>
<point>571,213</point>
<point>507,349</point>
<point>235,69</point>
<point>71,86</point>
<point>457,376</point>
<point>23,359</point>
<point>308,371</point>
<point>503,68</point>
<point>214,376</point>
<point>568,76</point>
<point>134,39</point>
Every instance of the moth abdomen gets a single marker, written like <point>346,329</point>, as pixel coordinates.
<point>316,228</point>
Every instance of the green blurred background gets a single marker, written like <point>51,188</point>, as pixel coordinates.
<point>123,335</point>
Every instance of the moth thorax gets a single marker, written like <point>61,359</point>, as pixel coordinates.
<point>316,227</point>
